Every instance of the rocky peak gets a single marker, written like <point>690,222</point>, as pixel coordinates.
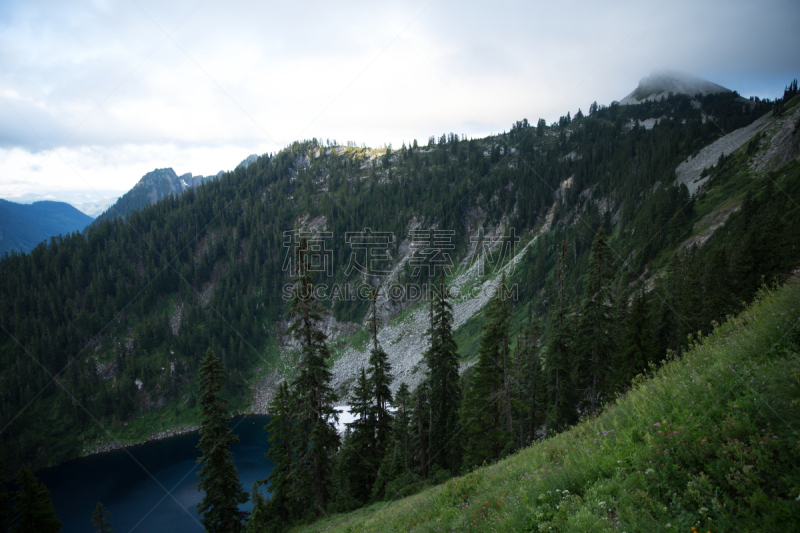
<point>660,84</point>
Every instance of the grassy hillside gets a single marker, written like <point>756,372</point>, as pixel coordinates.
<point>709,442</point>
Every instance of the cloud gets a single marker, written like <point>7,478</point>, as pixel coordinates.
<point>105,83</point>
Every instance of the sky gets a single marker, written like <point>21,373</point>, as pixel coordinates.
<point>95,94</point>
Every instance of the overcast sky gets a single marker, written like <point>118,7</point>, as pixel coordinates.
<point>95,94</point>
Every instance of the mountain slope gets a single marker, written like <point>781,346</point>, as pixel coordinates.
<point>24,226</point>
<point>120,316</point>
<point>709,442</point>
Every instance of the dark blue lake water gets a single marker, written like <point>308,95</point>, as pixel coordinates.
<point>154,487</point>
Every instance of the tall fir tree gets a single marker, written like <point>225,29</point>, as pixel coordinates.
<point>380,380</point>
<point>402,421</point>
<point>100,519</point>
<point>717,288</point>
<point>33,510</point>
<point>363,459</point>
<point>316,436</point>
<point>219,477</point>
<point>280,510</point>
<point>533,394</point>
<point>443,384</point>
<point>420,422</point>
<point>395,469</point>
<point>559,361</point>
<point>597,327</point>
<point>5,499</point>
<point>669,294</point>
<point>690,319</point>
<point>485,414</point>
<point>637,348</point>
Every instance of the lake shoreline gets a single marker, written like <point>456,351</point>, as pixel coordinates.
<point>106,447</point>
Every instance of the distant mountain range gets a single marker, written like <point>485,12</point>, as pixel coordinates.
<point>23,226</point>
<point>150,189</point>
<point>92,202</point>
<point>32,218</point>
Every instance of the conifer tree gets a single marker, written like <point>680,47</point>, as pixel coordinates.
<point>670,295</point>
<point>347,470</point>
<point>280,507</point>
<point>219,477</point>
<point>33,510</point>
<point>100,519</point>
<point>402,420</point>
<point>533,393</point>
<point>444,389</point>
<point>485,414</point>
<point>717,288</point>
<point>316,435</point>
<point>559,361</point>
<point>420,422</point>
<point>5,500</point>
<point>596,325</point>
<point>690,319</point>
<point>364,457</point>
<point>395,469</point>
<point>637,347</point>
<point>380,380</point>
<point>260,517</point>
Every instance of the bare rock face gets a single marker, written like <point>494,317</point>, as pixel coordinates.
<point>709,224</point>
<point>783,144</point>
<point>689,171</point>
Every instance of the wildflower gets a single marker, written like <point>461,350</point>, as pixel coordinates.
<point>657,424</point>
<point>603,503</point>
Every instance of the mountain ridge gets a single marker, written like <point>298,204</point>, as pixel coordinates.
<point>23,226</point>
<point>151,188</point>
